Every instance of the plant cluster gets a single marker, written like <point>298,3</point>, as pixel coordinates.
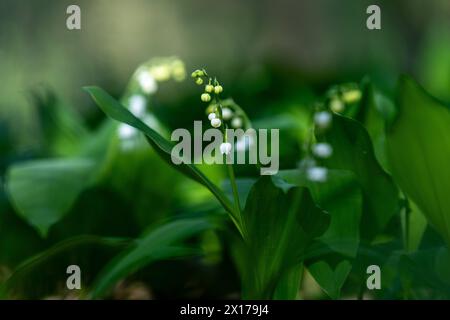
<point>370,188</point>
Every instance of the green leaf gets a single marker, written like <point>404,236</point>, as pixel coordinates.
<point>163,242</point>
<point>282,221</point>
<point>418,148</point>
<point>353,151</point>
<point>379,111</point>
<point>62,128</point>
<point>42,191</point>
<point>330,280</point>
<point>115,110</point>
<point>341,197</point>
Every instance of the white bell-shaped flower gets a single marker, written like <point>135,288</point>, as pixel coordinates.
<point>216,122</point>
<point>317,174</point>
<point>147,82</point>
<point>225,148</point>
<point>322,150</point>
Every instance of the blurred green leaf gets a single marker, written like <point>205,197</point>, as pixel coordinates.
<point>160,243</point>
<point>379,111</point>
<point>418,147</point>
<point>353,151</point>
<point>434,63</point>
<point>341,197</point>
<point>18,240</point>
<point>42,191</point>
<point>164,148</point>
<point>330,280</point>
<point>62,128</point>
<point>282,221</point>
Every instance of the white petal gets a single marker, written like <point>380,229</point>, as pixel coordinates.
<point>147,82</point>
<point>137,104</point>
<point>236,122</point>
<point>216,122</point>
<point>322,119</point>
<point>227,113</point>
<point>317,174</point>
<point>126,131</point>
<point>244,143</point>
<point>225,148</point>
<point>322,150</point>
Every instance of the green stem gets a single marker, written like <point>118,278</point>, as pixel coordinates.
<point>236,199</point>
<point>406,223</point>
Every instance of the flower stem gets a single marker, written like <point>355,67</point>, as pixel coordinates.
<point>236,199</point>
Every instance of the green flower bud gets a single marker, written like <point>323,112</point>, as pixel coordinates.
<point>209,88</point>
<point>351,96</point>
<point>211,108</point>
<point>205,97</point>
<point>199,81</point>
<point>218,89</point>
<point>337,105</point>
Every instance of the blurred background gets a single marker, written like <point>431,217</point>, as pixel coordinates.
<point>269,55</point>
<point>309,42</point>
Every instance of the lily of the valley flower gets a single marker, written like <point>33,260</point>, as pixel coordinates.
<point>317,174</point>
<point>126,131</point>
<point>227,114</point>
<point>322,119</point>
<point>236,122</point>
<point>244,142</point>
<point>161,72</point>
<point>336,105</point>
<point>137,104</point>
<point>216,122</point>
<point>218,89</point>
<point>147,82</point>
<point>205,97</point>
<point>322,150</point>
<point>351,96</point>
<point>225,148</point>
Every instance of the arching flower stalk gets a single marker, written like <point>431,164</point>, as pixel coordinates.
<point>222,114</point>
<point>337,99</point>
<point>142,86</point>
<point>315,152</point>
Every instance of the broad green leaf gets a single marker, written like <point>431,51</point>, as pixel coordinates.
<point>418,148</point>
<point>164,148</point>
<point>353,151</point>
<point>417,224</point>
<point>289,283</point>
<point>341,197</point>
<point>42,191</point>
<point>282,221</point>
<point>163,242</point>
<point>434,62</point>
<point>379,111</point>
<point>330,280</point>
